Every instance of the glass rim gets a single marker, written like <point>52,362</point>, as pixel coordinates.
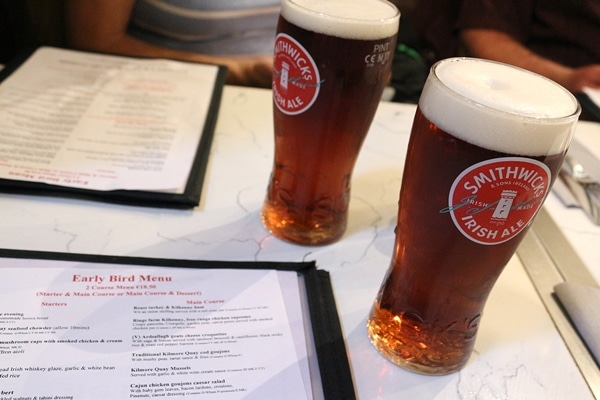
<point>538,119</point>
<point>324,15</point>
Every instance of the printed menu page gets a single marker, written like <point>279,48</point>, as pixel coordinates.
<point>70,330</point>
<point>103,122</point>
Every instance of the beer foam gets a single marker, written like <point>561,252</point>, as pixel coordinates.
<point>499,107</point>
<point>361,20</point>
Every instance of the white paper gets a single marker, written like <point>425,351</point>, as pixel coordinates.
<point>103,122</point>
<point>74,331</point>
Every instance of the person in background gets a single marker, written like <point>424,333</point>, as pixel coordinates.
<point>555,38</point>
<point>435,29</point>
<point>239,34</point>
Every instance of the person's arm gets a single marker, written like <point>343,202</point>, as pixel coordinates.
<point>101,25</point>
<point>499,46</point>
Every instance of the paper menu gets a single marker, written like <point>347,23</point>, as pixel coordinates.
<point>86,331</point>
<point>103,122</point>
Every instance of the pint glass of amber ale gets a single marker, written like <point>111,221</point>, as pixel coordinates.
<point>332,60</point>
<point>486,144</point>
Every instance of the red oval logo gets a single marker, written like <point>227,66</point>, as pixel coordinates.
<point>493,201</point>
<point>296,78</point>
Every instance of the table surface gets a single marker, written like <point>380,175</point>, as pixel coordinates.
<point>518,353</point>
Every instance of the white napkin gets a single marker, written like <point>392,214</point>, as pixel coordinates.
<point>582,303</point>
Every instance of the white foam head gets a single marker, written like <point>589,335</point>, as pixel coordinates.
<point>364,19</point>
<point>499,107</point>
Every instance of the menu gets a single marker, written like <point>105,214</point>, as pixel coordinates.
<point>90,330</point>
<point>94,122</point>
<point>590,101</point>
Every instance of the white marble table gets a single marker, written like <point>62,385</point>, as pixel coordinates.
<point>582,234</point>
<point>518,353</point>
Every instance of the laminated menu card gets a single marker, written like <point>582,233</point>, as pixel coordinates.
<point>97,327</point>
<point>122,129</point>
<point>590,102</point>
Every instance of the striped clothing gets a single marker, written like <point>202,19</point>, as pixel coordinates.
<point>219,27</point>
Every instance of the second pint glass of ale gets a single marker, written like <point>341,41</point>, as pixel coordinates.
<point>332,60</point>
<point>486,145</point>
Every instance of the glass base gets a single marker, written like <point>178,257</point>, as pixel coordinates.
<point>410,365</point>
<point>414,356</point>
<point>294,229</point>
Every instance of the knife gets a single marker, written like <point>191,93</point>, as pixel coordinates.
<point>569,293</point>
<point>581,175</point>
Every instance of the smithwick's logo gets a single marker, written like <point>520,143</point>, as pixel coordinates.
<point>493,201</point>
<point>296,79</point>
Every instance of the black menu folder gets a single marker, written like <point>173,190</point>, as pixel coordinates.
<point>29,125</point>
<point>590,107</point>
<point>330,372</point>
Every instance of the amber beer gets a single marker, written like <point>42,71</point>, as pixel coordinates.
<point>486,145</point>
<point>331,65</point>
